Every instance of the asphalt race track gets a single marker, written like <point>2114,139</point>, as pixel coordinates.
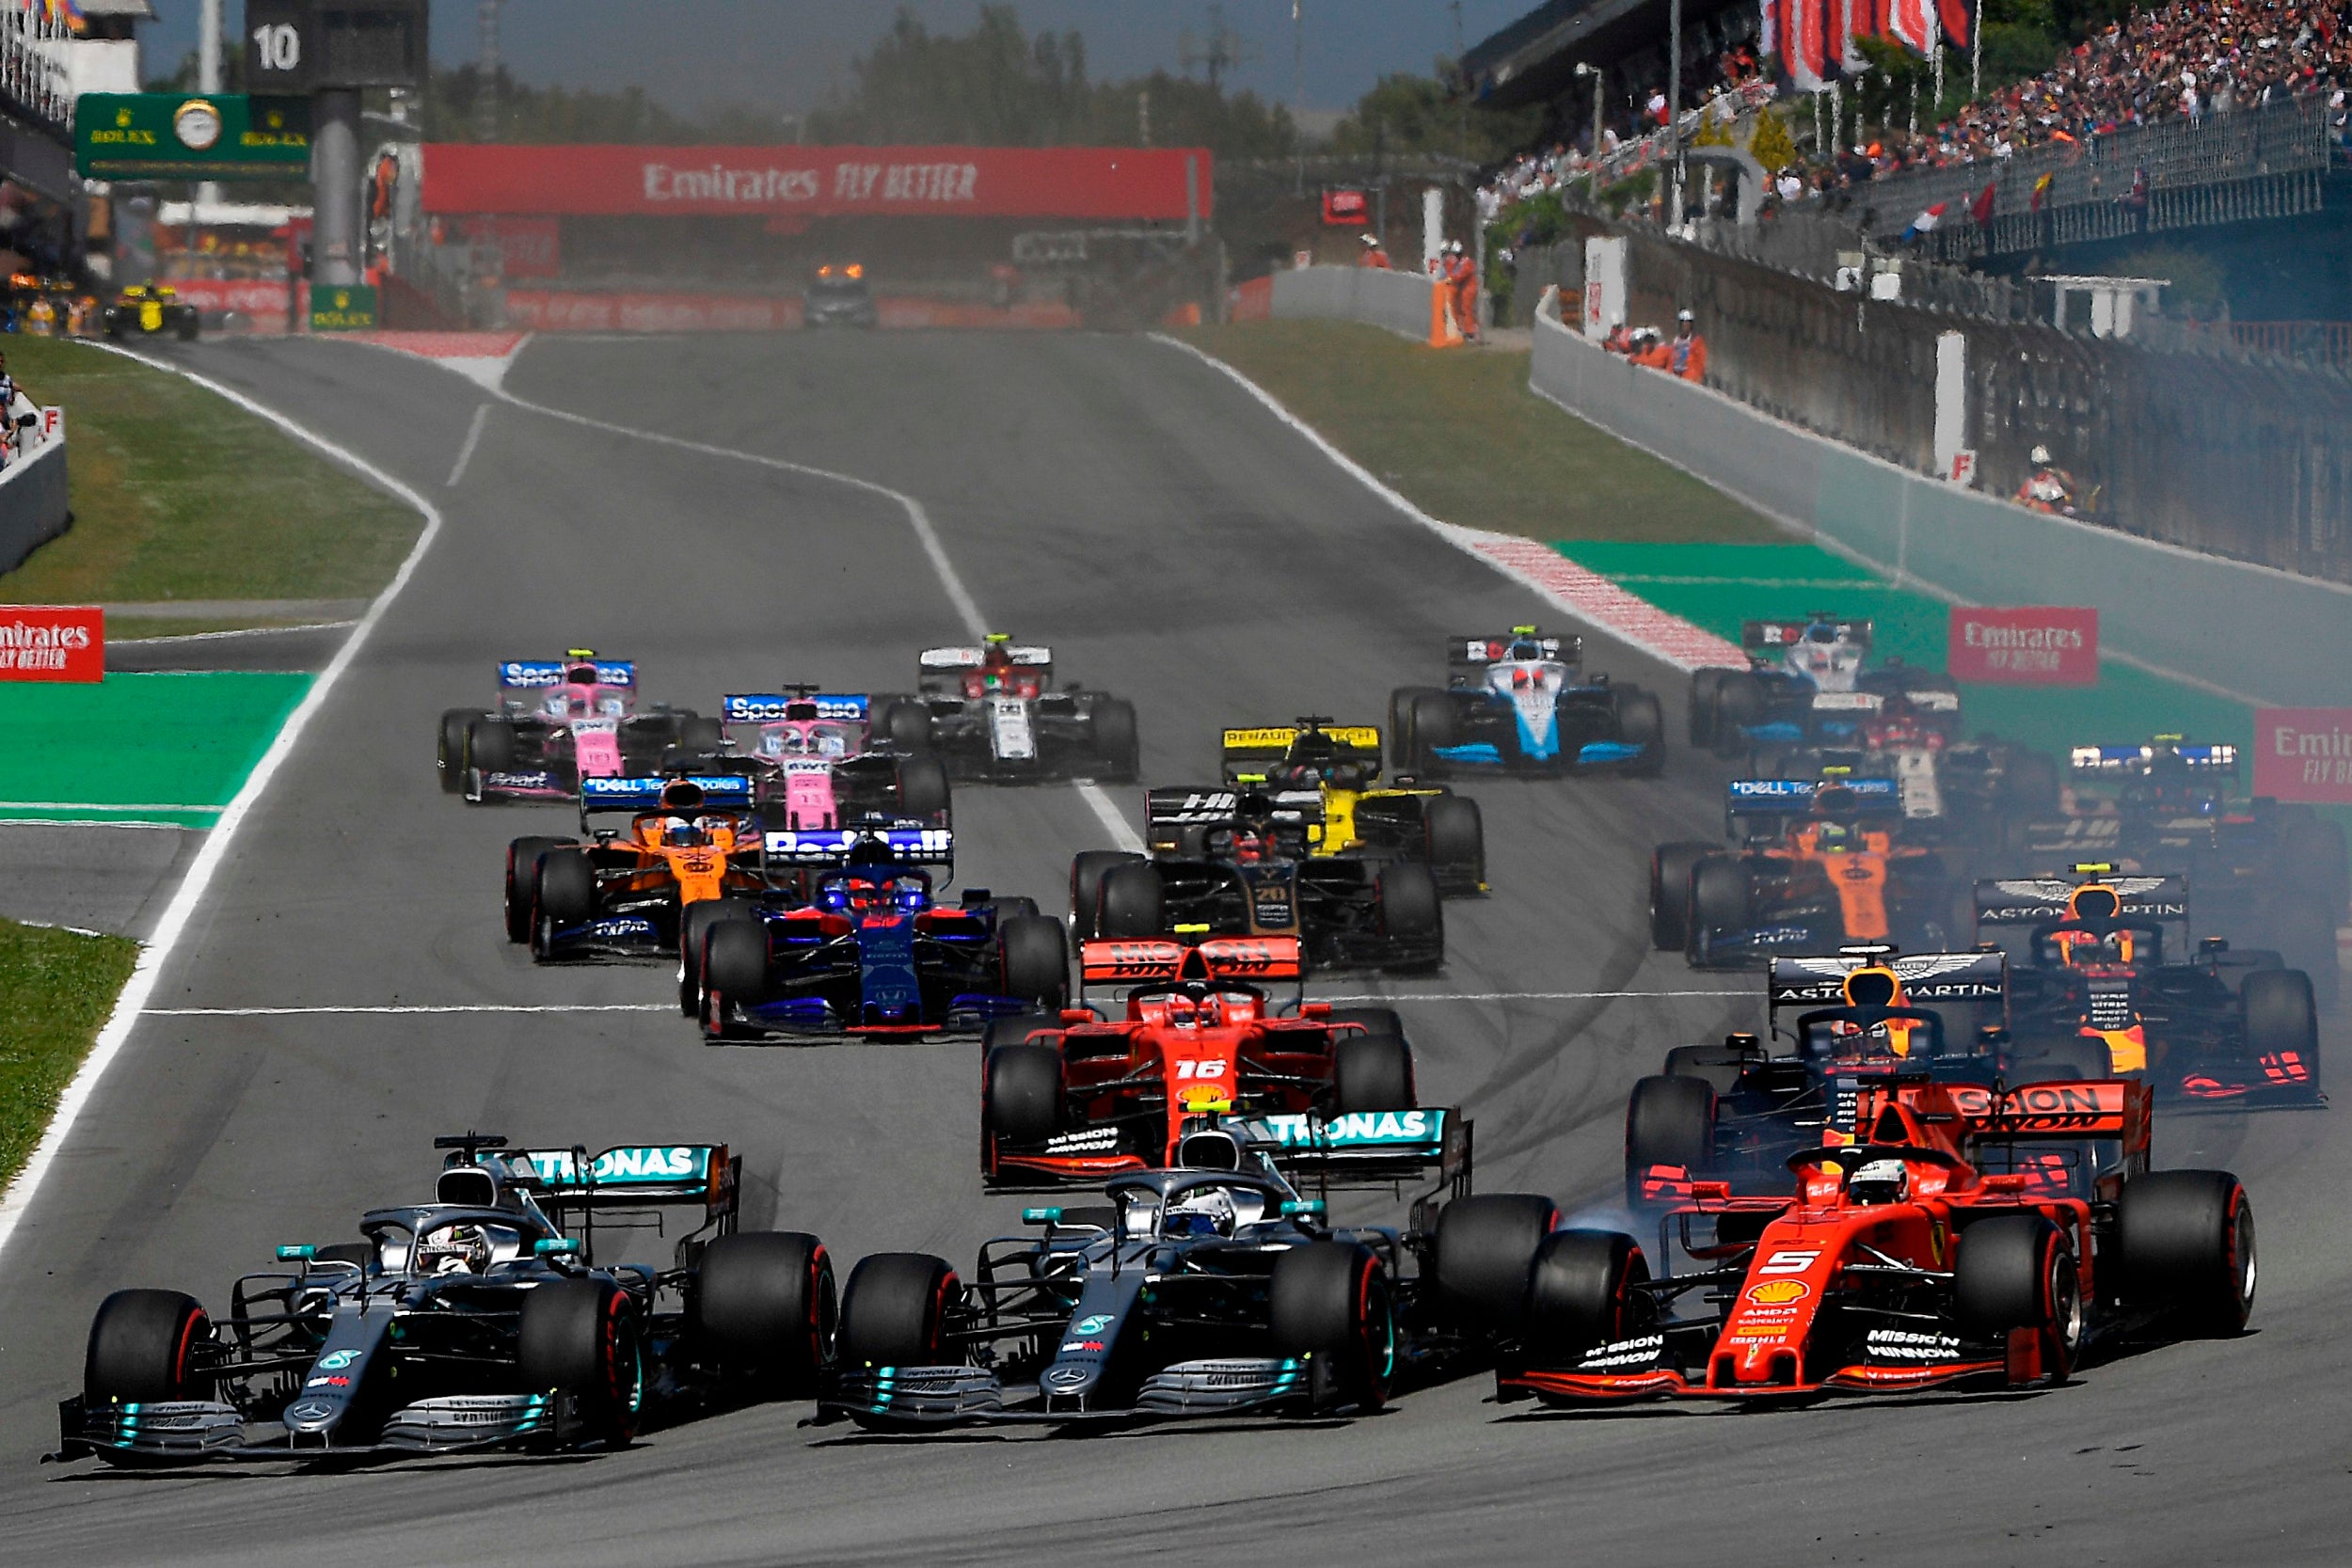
<point>1175,545</point>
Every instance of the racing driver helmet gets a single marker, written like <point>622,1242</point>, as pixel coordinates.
<point>453,1249</point>
<point>1879,1182</point>
<point>1202,1212</point>
<point>683,833</point>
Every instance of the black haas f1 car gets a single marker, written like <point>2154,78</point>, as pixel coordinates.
<point>2095,982</point>
<point>1805,681</point>
<point>1077,1096</point>
<point>1820,868</point>
<point>992,713</point>
<point>691,849</point>
<point>2264,874</point>
<point>867,950</point>
<point>1963,1234</point>
<point>1523,704</point>
<point>480,1319</point>
<point>1734,1113</point>
<point>1209,1289</point>
<point>813,757</point>
<point>1330,775</point>
<point>559,721</point>
<point>1237,863</point>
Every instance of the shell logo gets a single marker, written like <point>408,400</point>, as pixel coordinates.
<point>1779,1292</point>
<point>1203,1100</point>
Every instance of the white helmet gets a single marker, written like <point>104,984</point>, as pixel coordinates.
<point>1880,1182</point>
<point>1204,1210</point>
<point>2041,454</point>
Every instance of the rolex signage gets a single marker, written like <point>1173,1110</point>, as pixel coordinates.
<point>173,136</point>
<point>343,308</point>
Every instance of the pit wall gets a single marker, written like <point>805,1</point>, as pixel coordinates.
<point>563,311</point>
<point>2249,631</point>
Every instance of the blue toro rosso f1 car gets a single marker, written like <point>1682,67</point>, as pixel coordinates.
<point>1522,703</point>
<point>870,951</point>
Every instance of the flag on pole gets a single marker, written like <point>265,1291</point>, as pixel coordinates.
<point>1981,209</point>
<point>1908,22</point>
<point>2042,189</point>
<point>1768,27</point>
<point>1854,20</point>
<point>1960,21</point>
<point>1804,25</point>
<point>1925,223</point>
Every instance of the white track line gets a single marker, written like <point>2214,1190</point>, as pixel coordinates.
<point>1531,996</point>
<point>212,636</point>
<point>465,454</point>
<point>102,805</point>
<point>397,1009</point>
<point>1123,835</point>
<point>132,1002</point>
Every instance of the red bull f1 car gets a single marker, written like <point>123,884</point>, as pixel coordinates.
<point>482,1319</point>
<point>2106,976</point>
<point>1964,1235</point>
<point>1522,703</point>
<point>992,713</point>
<point>559,721</point>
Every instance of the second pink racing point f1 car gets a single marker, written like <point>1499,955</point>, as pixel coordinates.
<point>559,721</point>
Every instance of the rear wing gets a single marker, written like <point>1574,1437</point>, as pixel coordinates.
<point>940,660</point>
<point>1924,977</point>
<point>908,841</point>
<point>1759,802</point>
<point>1121,961</point>
<point>1469,653</point>
<point>715,792</point>
<point>2083,1108</point>
<point>768,707</point>
<point>523,675</point>
<point>1363,1146</point>
<point>1772,637</point>
<point>632,1176</point>
<point>2133,762</point>
<point>2032,900</point>
<point>1272,742</point>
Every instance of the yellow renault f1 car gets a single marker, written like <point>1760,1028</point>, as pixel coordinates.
<point>1330,774</point>
<point>150,311</point>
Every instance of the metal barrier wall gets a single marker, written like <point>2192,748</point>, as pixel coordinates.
<point>33,503</point>
<point>1396,300</point>
<point>2250,630</point>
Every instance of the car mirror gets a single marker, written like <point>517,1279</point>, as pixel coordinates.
<point>1303,1206</point>
<point>555,1246</point>
<point>297,1254</point>
<point>1041,1217</point>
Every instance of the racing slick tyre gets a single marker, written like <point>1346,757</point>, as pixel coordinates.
<point>1021,1094</point>
<point>565,888</point>
<point>492,746</point>
<point>186,329</point>
<point>905,722</point>
<point>1133,902</point>
<point>1738,704</point>
<point>1712,1065</point>
<point>1329,1302</point>
<point>1668,1121</point>
<point>1670,868</point>
<point>2281,1021</point>
<point>894,1311</point>
<point>1642,723</point>
<point>1455,834</point>
<point>1402,749</point>
<point>522,883</point>
<point>1372,1072</point>
<point>2186,1240</point>
<point>923,787</point>
<point>1016,1031</point>
<point>1408,896</point>
<point>1430,724</point>
<point>1719,903</point>
<point>1013,906</point>
<point>1706,691</point>
<point>141,1345</point>
<point>2063,1060</point>
<point>1116,748</point>
<point>451,753</point>
<point>1085,887</point>
<point>581,1338</point>
<point>765,1311</point>
<point>1486,1249</point>
<point>2015,1270</point>
<point>1372,1020</point>
<point>735,969</point>
<point>1584,1291</point>
<point>693,925</point>
<point>1035,953</point>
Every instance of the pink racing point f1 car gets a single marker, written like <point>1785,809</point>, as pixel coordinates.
<point>559,721</point>
<point>813,757</point>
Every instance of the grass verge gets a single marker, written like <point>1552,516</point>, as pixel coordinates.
<point>56,989</point>
<point>1459,433</point>
<point>178,495</point>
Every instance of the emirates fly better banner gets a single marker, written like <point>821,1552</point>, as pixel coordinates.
<point>52,643</point>
<point>2036,645</point>
<point>2304,753</point>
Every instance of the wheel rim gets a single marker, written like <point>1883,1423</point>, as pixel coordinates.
<point>2242,1252</point>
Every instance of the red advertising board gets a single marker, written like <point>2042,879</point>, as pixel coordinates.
<point>1346,208</point>
<point>1108,182</point>
<point>2304,753</point>
<point>527,247</point>
<point>2030,645</point>
<point>52,643</point>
